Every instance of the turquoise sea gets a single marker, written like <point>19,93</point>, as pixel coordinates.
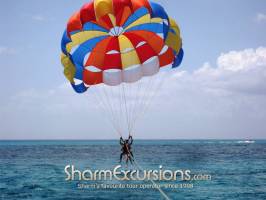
<point>35,169</point>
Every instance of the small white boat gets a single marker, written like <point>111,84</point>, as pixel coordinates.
<point>246,141</point>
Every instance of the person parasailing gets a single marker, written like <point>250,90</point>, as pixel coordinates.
<point>126,149</point>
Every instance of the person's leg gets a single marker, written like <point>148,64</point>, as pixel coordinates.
<point>121,156</point>
<point>130,159</point>
<point>127,160</point>
<point>132,154</point>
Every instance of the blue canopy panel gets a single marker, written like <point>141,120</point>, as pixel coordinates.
<point>152,27</point>
<point>65,40</point>
<point>80,88</point>
<point>178,58</point>
<point>81,51</point>
<point>158,11</point>
<point>89,26</point>
<point>135,16</point>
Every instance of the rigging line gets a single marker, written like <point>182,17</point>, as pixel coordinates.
<point>125,101</point>
<point>139,99</point>
<point>100,103</point>
<point>134,109</point>
<point>127,94</point>
<point>129,101</point>
<point>151,94</point>
<point>122,113</point>
<point>128,98</point>
<point>132,98</point>
<point>132,102</point>
<point>156,89</point>
<point>141,114</point>
<point>102,111</point>
<point>148,89</point>
<point>105,107</point>
<point>113,102</point>
<point>159,82</point>
<point>118,106</point>
<point>110,106</point>
<point>143,97</point>
<point>154,81</point>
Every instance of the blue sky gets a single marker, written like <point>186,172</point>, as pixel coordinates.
<point>30,71</point>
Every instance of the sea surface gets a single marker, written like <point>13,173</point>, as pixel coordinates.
<point>35,169</point>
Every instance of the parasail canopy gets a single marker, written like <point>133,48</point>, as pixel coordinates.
<point>118,41</point>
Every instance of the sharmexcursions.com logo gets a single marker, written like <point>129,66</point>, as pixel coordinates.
<point>117,173</point>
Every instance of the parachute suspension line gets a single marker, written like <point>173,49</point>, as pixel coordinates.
<point>104,99</point>
<point>119,108</point>
<point>132,102</point>
<point>100,106</point>
<point>156,82</point>
<point>111,97</point>
<point>150,93</point>
<point>135,103</point>
<point>127,94</point>
<point>136,99</point>
<point>139,97</point>
<point>156,89</point>
<point>111,114</point>
<point>131,96</point>
<point>125,104</point>
<point>132,99</point>
<point>121,114</point>
<point>143,97</point>
<point>114,103</point>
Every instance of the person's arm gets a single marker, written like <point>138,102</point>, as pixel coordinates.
<point>130,140</point>
<point>121,141</point>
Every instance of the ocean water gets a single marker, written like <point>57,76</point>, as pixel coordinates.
<point>35,169</point>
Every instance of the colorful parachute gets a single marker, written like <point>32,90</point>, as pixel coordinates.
<point>122,44</point>
<point>115,41</point>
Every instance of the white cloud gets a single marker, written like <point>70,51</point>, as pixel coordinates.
<point>226,100</point>
<point>38,18</point>
<point>260,17</point>
<point>246,68</point>
<point>7,51</point>
<point>54,113</point>
<point>245,60</point>
<point>223,101</point>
